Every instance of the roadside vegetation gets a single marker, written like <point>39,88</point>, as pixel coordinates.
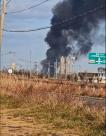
<point>15,84</point>
<point>77,119</point>
<point>61,116</point>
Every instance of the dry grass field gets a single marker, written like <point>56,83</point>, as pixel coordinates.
<point>42,108</point>
<point>16,85</point>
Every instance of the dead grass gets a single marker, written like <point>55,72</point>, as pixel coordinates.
<point>47,103</point>
<point>12,85</point>
<point>77,118</point>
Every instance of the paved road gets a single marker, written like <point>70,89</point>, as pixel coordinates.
<point>92,101</point>
<point>68,98</point>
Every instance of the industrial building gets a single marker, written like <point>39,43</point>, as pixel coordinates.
<point>65,66</point>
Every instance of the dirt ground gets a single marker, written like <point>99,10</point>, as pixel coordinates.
<point>16,126</point>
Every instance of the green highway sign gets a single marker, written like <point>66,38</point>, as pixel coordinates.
<point>97,58</point>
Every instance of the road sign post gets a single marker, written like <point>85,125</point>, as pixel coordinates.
<point>97,58</point>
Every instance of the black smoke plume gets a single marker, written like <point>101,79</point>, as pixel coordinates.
<point>72,37</point>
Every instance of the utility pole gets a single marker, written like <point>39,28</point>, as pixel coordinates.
<point>3,12</point>
<point>36,68</point>
<point>30,62</point>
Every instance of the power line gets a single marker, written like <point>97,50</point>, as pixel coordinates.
<point>60,23</point>
<point>34,6</point>
<point>8,2</point>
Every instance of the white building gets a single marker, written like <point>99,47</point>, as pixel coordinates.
<point>102,74</point>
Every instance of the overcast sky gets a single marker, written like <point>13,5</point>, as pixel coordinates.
<point>24,43</point>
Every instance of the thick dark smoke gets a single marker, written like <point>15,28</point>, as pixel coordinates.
<point>72,37</point>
